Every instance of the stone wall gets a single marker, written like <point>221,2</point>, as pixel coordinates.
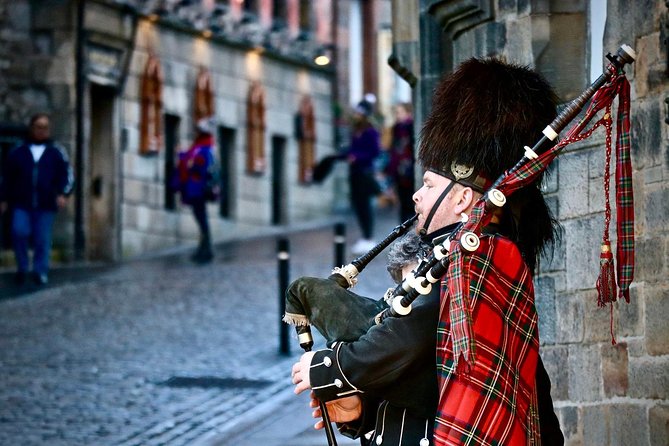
<point>604,394</point>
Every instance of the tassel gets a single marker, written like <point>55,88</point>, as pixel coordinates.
<point>606,282</point>
<point>298,320</point>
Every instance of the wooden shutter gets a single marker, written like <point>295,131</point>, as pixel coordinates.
<point>151,90</point>
<point>203,106</point>
<point>306,139</point>
<point>255,129</point>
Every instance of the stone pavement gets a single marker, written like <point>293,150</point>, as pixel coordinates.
<point>160,351</point>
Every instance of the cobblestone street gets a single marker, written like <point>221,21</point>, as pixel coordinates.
<point>164,352</point>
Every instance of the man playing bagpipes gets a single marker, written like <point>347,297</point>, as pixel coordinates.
<point>380,381</point>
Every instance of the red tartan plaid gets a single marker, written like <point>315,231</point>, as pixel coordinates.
<point>473,406</point>
<point>492,403</point>
<point>624,192</point>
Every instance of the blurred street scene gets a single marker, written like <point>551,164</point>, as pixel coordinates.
<point>162,351</point>
<point>125,329</point>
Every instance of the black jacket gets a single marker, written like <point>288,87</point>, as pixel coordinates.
<point>393,368</point>
<point>29,185</point>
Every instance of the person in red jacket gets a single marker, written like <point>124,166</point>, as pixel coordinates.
<point>36,181</point>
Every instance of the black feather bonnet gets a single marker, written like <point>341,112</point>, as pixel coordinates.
<point>482,116</point>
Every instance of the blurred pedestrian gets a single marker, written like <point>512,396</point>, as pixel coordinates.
<point>195,180</point>
<point>365,147</point>
<point>36,181</point>
<point>400,167</point>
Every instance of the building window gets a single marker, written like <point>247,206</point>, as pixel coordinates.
<point>305,15</point>
<point>203,104</point>
<point>172,136</point>
<point>279,14</point>
<point>293,17</point>
<point>151,89</point>
<point>250,6</point>
<point>255,129</point>
<point>323,22</point>
<point>305,133</point>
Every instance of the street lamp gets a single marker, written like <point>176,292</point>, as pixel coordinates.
<point>323,55</point>
<point>321,60</point>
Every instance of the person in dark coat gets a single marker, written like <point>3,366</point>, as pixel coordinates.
<point>36,181</point>
<point>364,149</point>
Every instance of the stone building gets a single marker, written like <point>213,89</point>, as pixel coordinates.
<point>604,394</point>
<point>125,81</point>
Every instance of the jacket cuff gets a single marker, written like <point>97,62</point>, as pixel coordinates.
<point>364,424</point>
<point>327,379</point>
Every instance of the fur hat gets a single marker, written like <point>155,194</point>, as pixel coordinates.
<point>483,114</point>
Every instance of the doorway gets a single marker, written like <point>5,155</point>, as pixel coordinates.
<point>172,123</point>
<point>279,205</point>
<point>10,136</point>
<point>226,147</point>
<point>102,182</point>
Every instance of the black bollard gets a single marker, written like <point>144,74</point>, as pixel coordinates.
<point>339,244</point>
<point>283,257</point>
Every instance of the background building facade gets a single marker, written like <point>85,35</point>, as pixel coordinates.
<point>126,80</point>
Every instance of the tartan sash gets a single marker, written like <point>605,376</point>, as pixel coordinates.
<point>457,280</point>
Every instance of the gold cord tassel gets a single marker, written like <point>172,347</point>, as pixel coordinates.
<point>606,282</point>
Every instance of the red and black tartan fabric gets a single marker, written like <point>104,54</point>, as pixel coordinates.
<point>466,417</point>
<point>494,403</point>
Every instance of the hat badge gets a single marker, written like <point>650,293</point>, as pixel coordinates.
<point>461,171</point>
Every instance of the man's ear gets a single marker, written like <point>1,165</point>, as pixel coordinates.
<point>465,200</point>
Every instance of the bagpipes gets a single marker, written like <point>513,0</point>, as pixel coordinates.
<point>341,315</point>
<point>336,312</point>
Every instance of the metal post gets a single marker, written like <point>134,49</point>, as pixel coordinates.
<point>339,244</point>
<point>283,256</point>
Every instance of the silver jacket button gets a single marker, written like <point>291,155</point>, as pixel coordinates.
<point>327,362</point>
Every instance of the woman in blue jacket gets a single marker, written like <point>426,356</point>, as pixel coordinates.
<point>194,180</point>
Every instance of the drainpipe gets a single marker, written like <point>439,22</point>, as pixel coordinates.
<point>79,235</point>
<point>335,64</point>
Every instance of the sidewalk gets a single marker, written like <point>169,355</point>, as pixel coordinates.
<point>159,351</point>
